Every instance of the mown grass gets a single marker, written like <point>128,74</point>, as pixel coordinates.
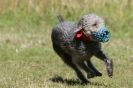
<point>27,59</point>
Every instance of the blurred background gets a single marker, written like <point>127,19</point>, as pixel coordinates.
<point>27,59</point>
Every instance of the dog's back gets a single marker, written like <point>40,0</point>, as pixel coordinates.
<point>63,34</point>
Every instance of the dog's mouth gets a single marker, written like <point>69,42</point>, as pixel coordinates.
<point>103,35</point>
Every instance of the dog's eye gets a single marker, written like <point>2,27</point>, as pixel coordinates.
<point>94,25</point>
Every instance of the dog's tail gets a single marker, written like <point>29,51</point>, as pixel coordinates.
<point>60,18</point>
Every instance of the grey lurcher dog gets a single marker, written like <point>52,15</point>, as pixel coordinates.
<point>77,53</point>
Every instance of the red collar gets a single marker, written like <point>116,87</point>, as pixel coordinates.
<point>81,36</point>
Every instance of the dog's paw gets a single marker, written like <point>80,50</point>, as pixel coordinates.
<point>90,75</point>
<point>99,74</point>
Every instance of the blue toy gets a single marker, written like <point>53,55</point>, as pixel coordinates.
<point>103,35</point>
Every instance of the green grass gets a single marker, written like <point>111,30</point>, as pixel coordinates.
<point>27,59</point>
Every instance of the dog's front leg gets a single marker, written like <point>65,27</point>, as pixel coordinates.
<point>109,63</point>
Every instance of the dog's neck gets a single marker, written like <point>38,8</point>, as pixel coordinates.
<point>80,35</point>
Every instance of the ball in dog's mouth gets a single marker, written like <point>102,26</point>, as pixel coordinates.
<point>103,35</point>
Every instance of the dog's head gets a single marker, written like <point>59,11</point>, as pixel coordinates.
<point>94,26</point>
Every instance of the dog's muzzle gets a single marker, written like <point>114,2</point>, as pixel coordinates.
<point>103,35</point>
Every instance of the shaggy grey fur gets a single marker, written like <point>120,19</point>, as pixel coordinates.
<point>77,53</point>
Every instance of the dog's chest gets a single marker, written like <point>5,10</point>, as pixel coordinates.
<point>82,49</point>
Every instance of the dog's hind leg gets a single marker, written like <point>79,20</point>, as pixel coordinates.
<point>91,66</point>
<point>90,69</point>
<point>68,60</point>
<point>109,63</point>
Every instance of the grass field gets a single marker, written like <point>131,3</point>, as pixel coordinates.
<point>27,59</point>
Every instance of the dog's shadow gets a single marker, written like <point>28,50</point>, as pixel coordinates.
<point>59,79</point>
